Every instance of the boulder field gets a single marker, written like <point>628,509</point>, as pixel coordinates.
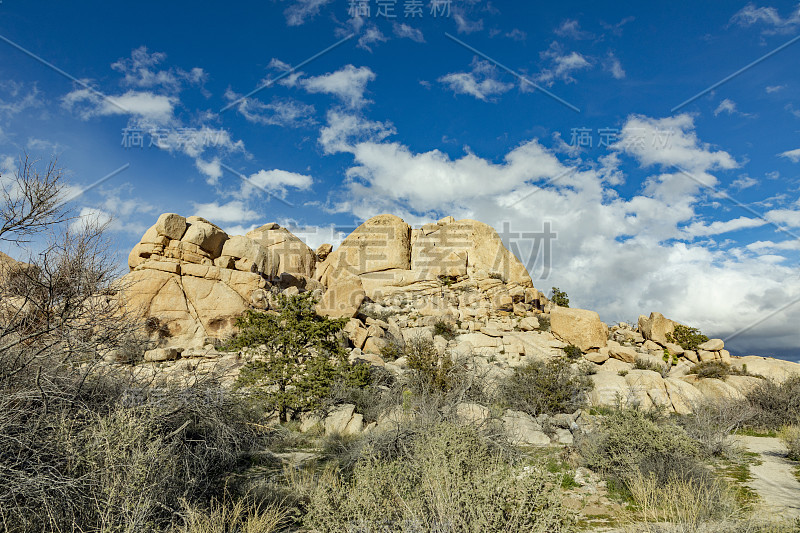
<point>396,283</point>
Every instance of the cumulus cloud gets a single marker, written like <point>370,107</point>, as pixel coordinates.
<point>274,182</point>
<point>344,130</point>
<point>562,65</point>
<point>407,32</point>
<point>140,70</point>
<point>370,36</point>
<point>348,84</point>
<point>88,104</point>
<point>234,211</point>
<point>655,244</point>
<point>481,82</point>
<point>571,28</point>
<point>793,155</point>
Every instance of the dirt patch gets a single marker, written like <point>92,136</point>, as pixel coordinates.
<point>774,479</point>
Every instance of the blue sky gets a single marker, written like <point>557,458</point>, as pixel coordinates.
<point>666,190</point>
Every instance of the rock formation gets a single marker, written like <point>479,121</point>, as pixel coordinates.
<point>396,284</point>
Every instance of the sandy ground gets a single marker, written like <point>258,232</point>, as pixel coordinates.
<point>774,478</point>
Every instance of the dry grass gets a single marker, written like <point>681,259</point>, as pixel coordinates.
<point>232,516</point>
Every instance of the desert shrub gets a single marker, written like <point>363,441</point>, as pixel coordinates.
<point>790,435</point>
<point>429,367</point>
<point>572,352</point>
<point>711,369</point>
<point>444,329</point>
<point>686,504</point>
<point>712,422</point>
<point>90,452</point>
<point>544,322</point>
<point>232,516</point>
<point>686,337</point>
<point>645,364</point>
<point>446,479</point>
<point>392,351</point>
<point>631,442</point>
<point>559,297</point>
<point>299,356</point>
<point>370,400</point>
<point>546,387</point>
<point>447,280</point>
<point>775,404</point>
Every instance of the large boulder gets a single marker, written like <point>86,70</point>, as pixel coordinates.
<point>287,252</point>
<point>580,327</point>
<point>343,298</point>
<point>656,327</point>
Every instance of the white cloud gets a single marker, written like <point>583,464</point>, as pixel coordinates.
<point>233,211</point>
<point>774,88</point>
<point>464,25</point>
<point>794,155</point>
<point>785,217</point>
<point>274,182</point>
<point>279,112</point>
<point>370,36</point>
<point>344,130</point>
<point>302,10</point>
<point>480,83</point>
<point>16,97</point>
<point>194,141</point>
<point>211,169</point>
<point>572,28</point>
<point>767,16</point>
<point>562,65</point>
<point>407,32</point>
<point>92,217</point>
<point>144,104</point>
<point>700,229</point>
<point>613,66</point>
<point>726,106</point>
<point>139,71</point>
<point>620,256</point>
<point>744,182</point>
<point>347,84</point>
<point>517,35</point>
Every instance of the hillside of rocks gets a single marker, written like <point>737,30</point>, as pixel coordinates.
<point>190,280</point>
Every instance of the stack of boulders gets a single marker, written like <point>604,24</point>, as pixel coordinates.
<point>195,279</point>
<point>452,283</point>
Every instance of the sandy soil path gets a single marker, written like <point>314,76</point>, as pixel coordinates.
<point>774,478</point>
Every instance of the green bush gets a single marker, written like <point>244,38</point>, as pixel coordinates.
<point>544,322</point>
<point>572,352</point>
<point>546,387</point>
<point>644,364</point>
<point>686,337</point>
<point>447,479</point>
<point>631,442</point>
<point>444,329</point>
<point>429,366</point>
<point>711,369</point>
<point>299,356</point>
<point>775,404</point>
<point>559,297</point>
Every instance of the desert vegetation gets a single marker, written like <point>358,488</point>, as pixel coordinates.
<point>89,444</point>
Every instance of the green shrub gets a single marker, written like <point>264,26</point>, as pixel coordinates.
<point>444,329</point>
<point>776,404</point>
<point>559,297</point>
<point>711,369</point>
<point>447,479</point>
<point>429,366</point>
<point>790,435</point>
<point>546,387</point>
<point>572,352</point>
<point>631,442</point>
<point>686,337</point>
<point>645,364</point>
<point>544,322</point>
<point>299,356</point>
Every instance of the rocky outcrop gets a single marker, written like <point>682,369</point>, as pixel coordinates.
<point>579,327</point>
